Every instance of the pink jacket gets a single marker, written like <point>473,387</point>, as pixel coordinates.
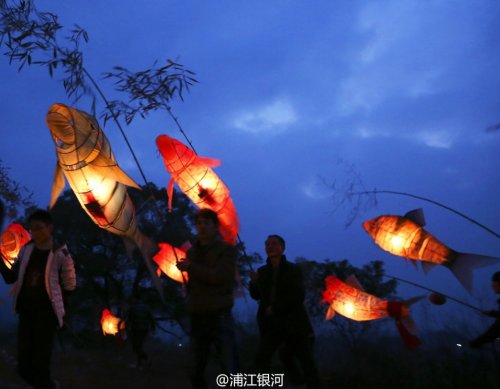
<point>59,276</point>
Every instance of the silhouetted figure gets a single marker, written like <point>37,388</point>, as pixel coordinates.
<point>43,275</point>
<point>493,332</point>
<point>139,323</point>
<point>210,264</point>
<point>282,318</point>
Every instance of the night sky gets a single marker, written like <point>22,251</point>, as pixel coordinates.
<point>294,96</point>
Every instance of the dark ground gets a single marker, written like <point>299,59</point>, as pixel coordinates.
<point>105,363</point>
<point>109,366</point>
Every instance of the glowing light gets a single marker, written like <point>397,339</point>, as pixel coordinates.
<point>110,324</point>
<point>349,308</point>
<point>167,258</point>
<point>397,243</point>
<point>12,240</point>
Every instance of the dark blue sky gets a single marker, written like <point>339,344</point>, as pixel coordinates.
<point>402,91</point>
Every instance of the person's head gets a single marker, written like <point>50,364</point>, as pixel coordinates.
<point>41,227</point>
<point>206,224</point>
<point>275,246</point>
<point>495,282</point>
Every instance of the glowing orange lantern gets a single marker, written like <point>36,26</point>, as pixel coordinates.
<point>350,301</point>
<point>86,160</point>
<point>198,181</point>
<point>167,258</point>
<point>111,324</point>
<point>405,237</point>
<point>12,240</point>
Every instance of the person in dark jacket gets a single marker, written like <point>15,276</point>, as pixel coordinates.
<point>43,276</point>
<point>493,332</point>
<point>139,323</point>
<point>210,265</point>
<point>282,318</point>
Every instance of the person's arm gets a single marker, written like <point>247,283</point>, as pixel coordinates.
<point>489,335</point>
<point>9,275</point>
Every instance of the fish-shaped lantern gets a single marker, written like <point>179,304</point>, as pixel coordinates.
<point>86,160</point>
<point>405,237</point>
<point>194,176</point>
<point>110,324</point>
<point>349,300</point>
<point>167,258</point>
<point>12,240</point>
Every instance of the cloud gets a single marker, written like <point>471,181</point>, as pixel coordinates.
<point>272,118</point>
<point>437,139</point>
<point>315,189</point>
<point>440,139</point>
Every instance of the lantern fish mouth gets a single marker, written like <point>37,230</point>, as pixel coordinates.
<point>368,225</point>
<point>61,124</point>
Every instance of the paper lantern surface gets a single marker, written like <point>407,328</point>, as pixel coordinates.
<point>11,242</point>
<point>110,324</point>
<point>86,160</point>
<point>405,237</point>
<point>351,302</point>
<point>194,176</point>
<point>167,258</point>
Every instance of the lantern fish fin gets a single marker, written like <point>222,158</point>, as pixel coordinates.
<point>354,282</point>
<point>408,322</point>
<point>416,216</point>
<point>170,193</point>
<point>107,167</point>
<point>410,340</point>
<point>186,246</point>
<point>427,266</point>
<point>57,186</point>
<point>463,265</point>
<point>205,161</point>
<point>413,300</point>
<point>330,313</point>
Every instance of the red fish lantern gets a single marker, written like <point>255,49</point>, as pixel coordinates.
<point>194,176</point>
<point>111,324</point>
<point>167,258</point>
<point>349,300</point>
<point>405,237</point>
<point>12,240</point>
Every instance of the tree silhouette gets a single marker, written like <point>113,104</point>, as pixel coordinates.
<point>13,195</point>
<point>31,38</point>
<point>107,276</point>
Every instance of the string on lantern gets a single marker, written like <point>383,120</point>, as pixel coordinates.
<point>434,291</point>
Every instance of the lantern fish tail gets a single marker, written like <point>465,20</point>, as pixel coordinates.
<point>463,265</point>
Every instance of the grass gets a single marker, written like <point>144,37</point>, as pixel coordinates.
<point>383,364</point>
